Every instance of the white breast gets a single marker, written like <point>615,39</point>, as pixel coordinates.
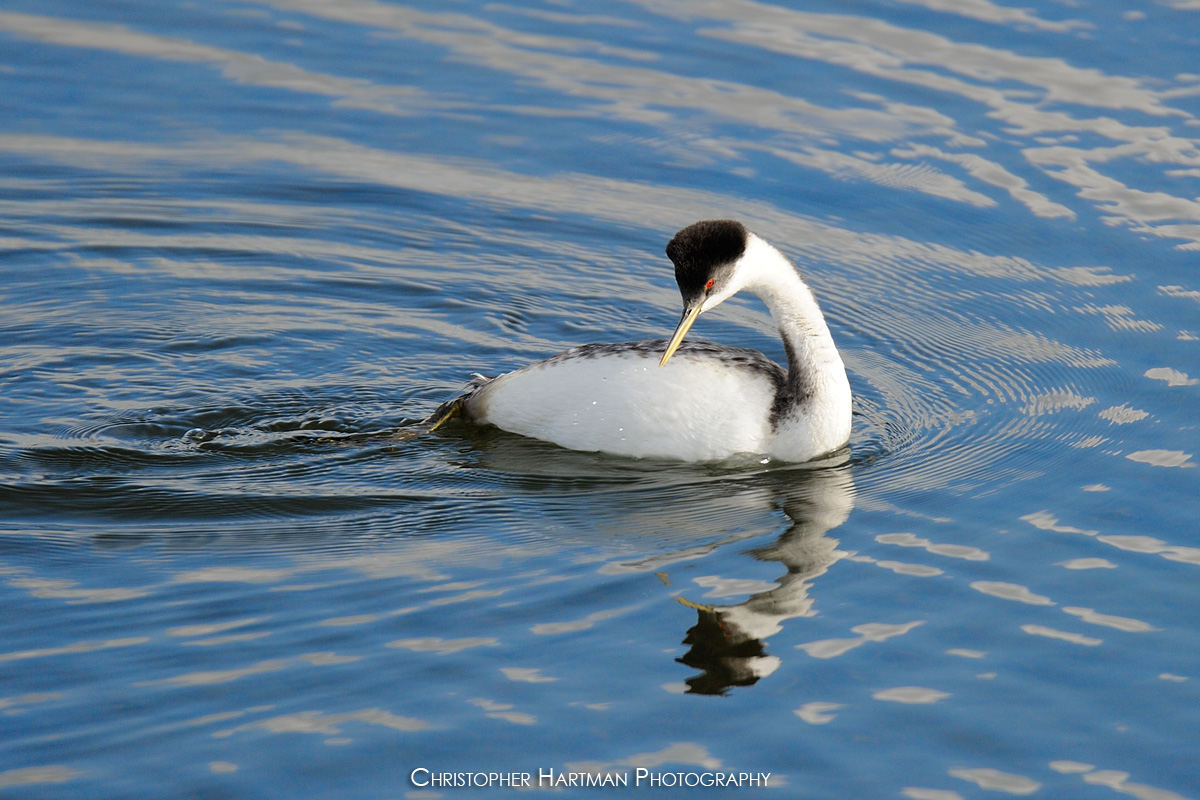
<point>693,409</point>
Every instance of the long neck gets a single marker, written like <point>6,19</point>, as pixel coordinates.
<point>816,374</point>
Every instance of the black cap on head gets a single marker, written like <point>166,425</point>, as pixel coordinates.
<point>702,249</point>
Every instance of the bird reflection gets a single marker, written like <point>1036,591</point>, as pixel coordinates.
<point>700,509</point>
<point>727,643</point>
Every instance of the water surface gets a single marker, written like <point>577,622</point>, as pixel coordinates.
<point>246,244</point>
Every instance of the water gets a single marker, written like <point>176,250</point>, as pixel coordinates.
<point>247,243</point>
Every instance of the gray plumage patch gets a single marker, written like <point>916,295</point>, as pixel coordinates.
<point>736,357</point>
<point>733,357</point>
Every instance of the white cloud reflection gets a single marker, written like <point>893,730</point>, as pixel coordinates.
<point>987,778</point>
<point>238,66</point>
<point>999,15</point>
<point>869,632</point>
<point>31,776</point>
<point>1045,106</point>
<point>911,695</point>
<point>1043,103</point>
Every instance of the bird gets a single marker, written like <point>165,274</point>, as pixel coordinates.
<point>686,400</point>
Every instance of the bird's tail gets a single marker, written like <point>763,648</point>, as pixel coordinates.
<point>454,408</point>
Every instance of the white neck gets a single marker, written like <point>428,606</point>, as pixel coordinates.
<point>817,394</point>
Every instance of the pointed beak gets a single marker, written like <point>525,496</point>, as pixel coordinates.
<point>685,324</point>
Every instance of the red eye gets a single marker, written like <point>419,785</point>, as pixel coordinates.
<point>710,283</point>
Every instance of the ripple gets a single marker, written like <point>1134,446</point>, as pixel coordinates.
<point>817,713</point>
<point>1120,623</point>
<point>1011,591</point>
<point>1172,377</point>
<point>29,776</point>
<point>911,695</point>
<point>309,222</point>
<point>1053,633</point>
<point>949,550</point>
<point>987,778</point>
<point>443,646</point>
<point>1162,458</point>
<point>869,632</point>
<point>318,722</point>
<point>293,454</point>
<point>74,647</point>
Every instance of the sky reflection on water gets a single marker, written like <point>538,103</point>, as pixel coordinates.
<point>246,243</point>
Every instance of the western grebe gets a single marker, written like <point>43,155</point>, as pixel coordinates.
<point>690,401</point>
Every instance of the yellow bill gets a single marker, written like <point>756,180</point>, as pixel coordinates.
<point>685,324</point>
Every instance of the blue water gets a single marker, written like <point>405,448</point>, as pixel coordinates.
<point>245,246</point>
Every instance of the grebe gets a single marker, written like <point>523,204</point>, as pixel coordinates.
<point>689,401</point>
